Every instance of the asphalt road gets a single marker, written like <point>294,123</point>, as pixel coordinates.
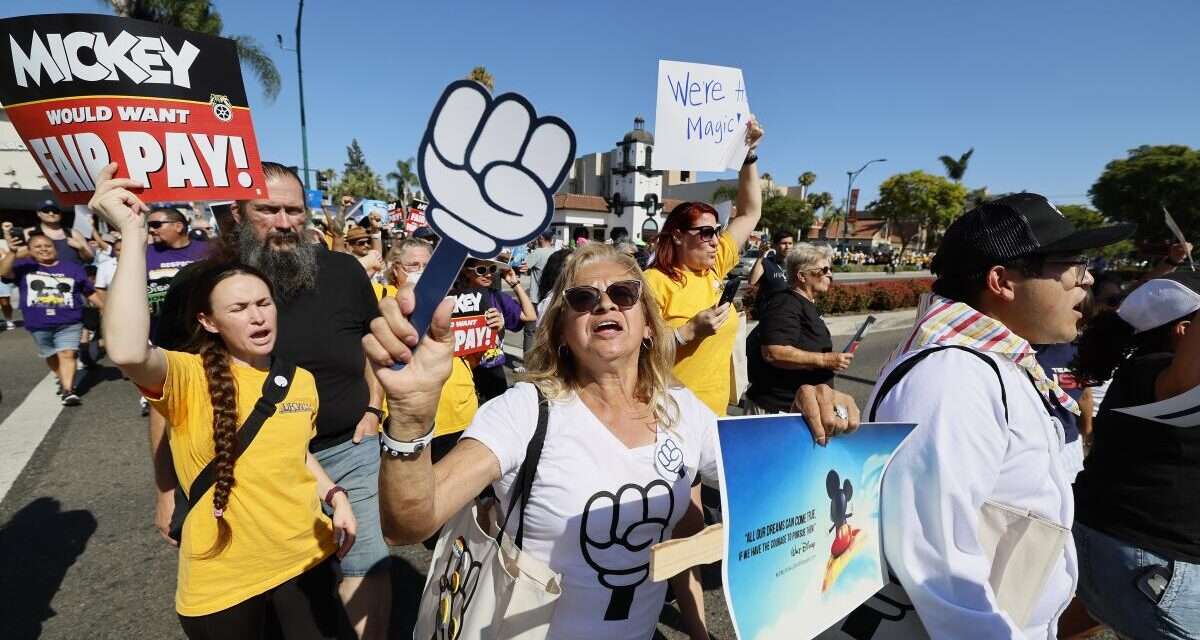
<point>78,555</point>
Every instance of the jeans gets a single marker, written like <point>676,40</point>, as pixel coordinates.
<point>1109,574</point>
<point>356,468</point>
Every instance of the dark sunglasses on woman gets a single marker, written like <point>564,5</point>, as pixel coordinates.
<point>706,232</point>
<point>624,293</point>
<point>826,270</point>
<point>484,269</point>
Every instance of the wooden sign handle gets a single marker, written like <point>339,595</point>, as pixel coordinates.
<point>670,558</point>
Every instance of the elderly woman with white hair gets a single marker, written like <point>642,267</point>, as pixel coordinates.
<point>602,361</point>
<point>791,345</point>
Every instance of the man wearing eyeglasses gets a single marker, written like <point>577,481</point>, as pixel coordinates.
<point>988,461</point>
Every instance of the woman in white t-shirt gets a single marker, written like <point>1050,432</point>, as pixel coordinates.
<point>623,445</point>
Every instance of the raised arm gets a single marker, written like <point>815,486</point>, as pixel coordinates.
<point>749,196</point>
<point>528,312</point>
<point>417,497</point>
<point>127,321</point>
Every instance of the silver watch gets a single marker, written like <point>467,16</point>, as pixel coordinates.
<point>403,449</point>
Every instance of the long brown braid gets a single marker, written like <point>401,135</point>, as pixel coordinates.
<point>222,388</point>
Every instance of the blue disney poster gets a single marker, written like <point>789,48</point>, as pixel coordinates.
<point>802,533</point>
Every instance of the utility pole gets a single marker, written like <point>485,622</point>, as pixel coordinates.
<point>850,176</point>
<point>300,76</point>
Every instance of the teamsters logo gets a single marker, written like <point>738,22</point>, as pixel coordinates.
<point>221,107</point>
<point>141,59</point>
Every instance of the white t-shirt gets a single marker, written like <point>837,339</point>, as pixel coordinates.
<point>104,273</point>
<point>584,472</point>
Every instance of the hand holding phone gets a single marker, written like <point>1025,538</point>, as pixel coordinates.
<point>731,289</point>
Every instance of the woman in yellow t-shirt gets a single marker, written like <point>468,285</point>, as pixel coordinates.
<point>256,541</point>
<point>692,256</point>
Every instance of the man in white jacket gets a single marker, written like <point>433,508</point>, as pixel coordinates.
<point>1010,272</point>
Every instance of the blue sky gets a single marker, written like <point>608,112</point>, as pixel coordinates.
<point>1046,92</point>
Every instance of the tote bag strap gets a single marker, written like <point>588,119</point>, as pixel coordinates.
<point>524,481</point>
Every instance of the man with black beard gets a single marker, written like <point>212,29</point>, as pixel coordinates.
<point>325,304</point>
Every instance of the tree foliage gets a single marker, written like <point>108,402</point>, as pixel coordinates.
<point>785,212</point>
<point>481,75</point>
<point>956,169</point>
<point>1081,216</point>
<point>724,192</point>
<point>405,179</point>
<point>200,16</point>
<point>358,178</point>
<point>1136,188</point>
<point>917,198</point>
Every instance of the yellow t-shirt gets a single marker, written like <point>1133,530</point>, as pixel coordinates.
<point>458,403</point>
<point>279,531</point>
<point>702,365</point>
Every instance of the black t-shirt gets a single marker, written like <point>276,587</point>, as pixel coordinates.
<point>790,319</point>
<point>320,330</point>
<point>1141,482</point>
<point>772,281</point>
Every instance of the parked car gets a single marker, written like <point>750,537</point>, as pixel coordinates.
<point>745,264</point>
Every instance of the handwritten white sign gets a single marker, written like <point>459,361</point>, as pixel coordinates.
<point>700,122</point>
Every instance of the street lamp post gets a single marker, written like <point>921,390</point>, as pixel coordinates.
<point>300,77</point>
<point>850,177</point>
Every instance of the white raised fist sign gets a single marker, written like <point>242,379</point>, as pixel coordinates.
<point>490,167</point>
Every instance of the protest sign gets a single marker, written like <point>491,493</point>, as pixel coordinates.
<point>1178,233</point>
<point>490,168</point>
<point>167,105</point>
<point>1181,410</point>
<point>469,330</point>
<point>416,218</point>
<point>701,118</point>
<point>803,546</point>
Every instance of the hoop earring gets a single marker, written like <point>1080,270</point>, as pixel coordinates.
<point>648,344</point>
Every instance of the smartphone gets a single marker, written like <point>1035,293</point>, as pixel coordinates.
<point>1153,583</point>
<point>731,288</point>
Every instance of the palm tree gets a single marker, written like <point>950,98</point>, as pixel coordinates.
<point>805,180</point>
<point>956,168</point>
<point>201,17</point>
<point>404,177</point>
<point>820,201</point>
<point>481,75</point>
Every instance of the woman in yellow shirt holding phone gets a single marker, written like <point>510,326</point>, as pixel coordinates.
<point>256,541</point>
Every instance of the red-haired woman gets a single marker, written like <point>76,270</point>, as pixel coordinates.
<point>257,541</point>
<point>692,256</point>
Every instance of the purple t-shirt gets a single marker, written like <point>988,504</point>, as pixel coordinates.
<point>162,263</point>
<point>51,295</point>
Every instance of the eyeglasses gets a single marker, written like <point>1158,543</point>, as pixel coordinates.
<point>1076,265</point>
<point>154,224</point>
<point>706,232</point>
<point>51,212</point>
<point>825,270</point>
<point>624,293</point>
<point>485,269</point>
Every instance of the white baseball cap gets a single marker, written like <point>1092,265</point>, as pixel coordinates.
<point>1161,301</point>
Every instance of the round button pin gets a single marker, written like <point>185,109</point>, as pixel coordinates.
<point>280,381</point>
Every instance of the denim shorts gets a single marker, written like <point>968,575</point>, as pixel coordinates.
<point>356,468</point>
<point>55,339</point>
<point>6,289</point>
<point>1109,573</point>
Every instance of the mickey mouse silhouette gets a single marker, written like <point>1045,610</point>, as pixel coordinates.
<point>840,493</point>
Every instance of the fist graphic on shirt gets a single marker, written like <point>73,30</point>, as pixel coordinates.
<point>615,537</point>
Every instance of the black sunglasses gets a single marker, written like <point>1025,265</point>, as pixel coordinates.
<point>707,232</point>
<point>826,270</point>
<point>360,242</point>
<point>624,293</point>
<point>485,269</point>
<point>154,224</point>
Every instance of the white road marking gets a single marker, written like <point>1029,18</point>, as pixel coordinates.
<point>23,430</point>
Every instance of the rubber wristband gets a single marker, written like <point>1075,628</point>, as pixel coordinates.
<point>333,491</point>
<point>750,159</point>
<point>378,413</point>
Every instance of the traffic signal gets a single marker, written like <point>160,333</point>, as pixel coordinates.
<point>322,181</point>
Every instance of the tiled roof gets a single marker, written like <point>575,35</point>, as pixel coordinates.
<point>580,202</point>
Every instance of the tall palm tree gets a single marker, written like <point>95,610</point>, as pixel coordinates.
<point>405,177</point>
<point>805,180</point>
<point>201,17</point>
<point>956,168</point>
<point>481,75</point>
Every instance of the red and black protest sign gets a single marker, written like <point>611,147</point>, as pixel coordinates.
<point>167,105</point>
<point>470,331</point>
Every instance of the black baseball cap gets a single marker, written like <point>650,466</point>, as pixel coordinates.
<point>1013,227</point>
<point>50,205</point>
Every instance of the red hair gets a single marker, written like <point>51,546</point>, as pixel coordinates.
<point>682,217</point>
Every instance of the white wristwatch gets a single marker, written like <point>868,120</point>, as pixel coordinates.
<point>401,449</point>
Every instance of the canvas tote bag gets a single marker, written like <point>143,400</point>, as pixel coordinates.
<point>480,584</point>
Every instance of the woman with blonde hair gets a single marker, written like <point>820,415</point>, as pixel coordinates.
<point>624,442</point>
